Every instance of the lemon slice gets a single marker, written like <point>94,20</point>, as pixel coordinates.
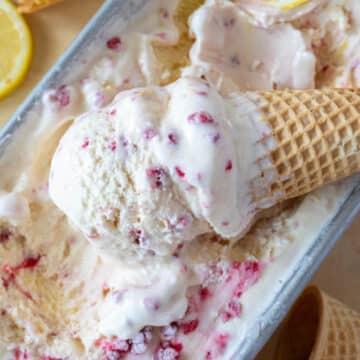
<point>15,48</point>
<point>287,4</point>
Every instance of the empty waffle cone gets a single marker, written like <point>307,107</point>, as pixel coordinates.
<point>319,328</point>
<point>313,139</point>
<point>28,6</point>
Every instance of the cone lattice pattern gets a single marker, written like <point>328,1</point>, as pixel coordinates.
<point>174,58</point>
<point>317,137</point>
<point>341,335</point>
<point>27,6</point>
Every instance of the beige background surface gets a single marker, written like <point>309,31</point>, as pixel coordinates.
<point>54,28</point>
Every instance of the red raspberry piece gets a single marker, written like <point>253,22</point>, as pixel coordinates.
<point>225,316</point>
<point>5,236</point>
<point>179,172</point>
<point>5,282</point>
<point>252,266</point>
<point>114,43</point>
<point>184,220</point>
<point>138,236</point>
<point>158,177</point>
<point>173,138</point>
<point>20,354</point>
<point>28,263</point>
<point>189,326</point>
<point>201,117</point>
<point>177,346</point>
<point>229,165</point>
<point>245,274</point>
<point>60,95</point>
<point>86,143</point>
<point>233,309</point>
<point>204,293</point>
<point>221,341</point>
<point>218,347</point>
<point>178,249</point>
<point>112,145</point>
<point>149,133</point>
<point>235,265</point>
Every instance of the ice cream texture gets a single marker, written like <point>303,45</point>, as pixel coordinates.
<point>158,167</point>
<point>63,298</point>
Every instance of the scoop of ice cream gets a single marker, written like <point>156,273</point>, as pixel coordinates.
<point>106,177</point>
<point>157,168</point>
<point>140,296</point>
<point>228,47</point>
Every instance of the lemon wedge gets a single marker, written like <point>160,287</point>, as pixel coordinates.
<point>287,4</point>
<point>15,48</point>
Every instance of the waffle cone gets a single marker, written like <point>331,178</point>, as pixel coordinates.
<point>313,139</point>
<point>28,6</point>
<point>319,328</point>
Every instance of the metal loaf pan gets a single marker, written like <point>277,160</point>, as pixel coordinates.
<point>118,13</point>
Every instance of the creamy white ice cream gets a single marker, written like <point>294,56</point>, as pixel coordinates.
<point>250,56</point>
<point>59,299</point>
<point>158,167</point>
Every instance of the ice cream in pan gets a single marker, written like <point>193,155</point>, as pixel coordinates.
<point>141,255</point>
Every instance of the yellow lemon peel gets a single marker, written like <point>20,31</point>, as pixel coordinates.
<point>15,48</point>
<point>286,5</point>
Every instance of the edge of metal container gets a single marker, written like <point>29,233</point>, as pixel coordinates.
<point>272,317</point>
